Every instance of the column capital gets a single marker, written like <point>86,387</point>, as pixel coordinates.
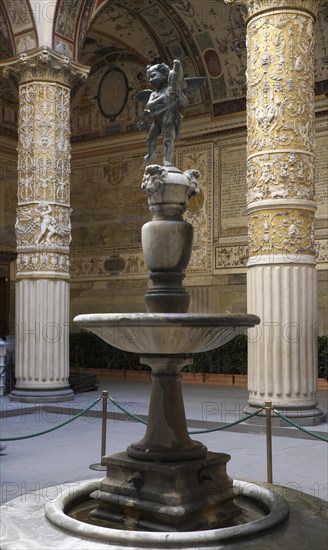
<point>255,7</point>
<point>44,64</point>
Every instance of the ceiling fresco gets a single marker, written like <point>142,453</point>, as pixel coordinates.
<point>209,33</point>
<point>18,25</point>
<point>208,37</point>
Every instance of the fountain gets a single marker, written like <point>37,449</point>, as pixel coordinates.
<point>196,492</point>
<point>166,490</point>
<point>166,337</point>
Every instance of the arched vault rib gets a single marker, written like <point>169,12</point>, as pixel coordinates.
<point>18,25</point>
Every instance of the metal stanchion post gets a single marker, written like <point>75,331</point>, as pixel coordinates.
<point>268,409</point>
<point>99,466</point>
<point>104,422</point>
<point>3,351</point>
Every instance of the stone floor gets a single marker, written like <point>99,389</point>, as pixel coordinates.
<point>300,462</point>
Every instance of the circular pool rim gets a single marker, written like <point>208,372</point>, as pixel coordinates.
<point>275,505</point>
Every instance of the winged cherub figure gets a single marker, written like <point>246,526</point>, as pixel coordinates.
<point>169,91</point>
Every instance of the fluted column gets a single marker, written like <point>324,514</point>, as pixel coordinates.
<point>43,229</point>
<point>280,203</point>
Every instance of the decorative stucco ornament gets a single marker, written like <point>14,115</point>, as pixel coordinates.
<point>45,79</point>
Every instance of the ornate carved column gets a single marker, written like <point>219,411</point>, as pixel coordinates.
<point>43,228</point>
<point>280,147</point>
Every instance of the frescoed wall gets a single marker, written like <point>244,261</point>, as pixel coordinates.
<point>107,267</point>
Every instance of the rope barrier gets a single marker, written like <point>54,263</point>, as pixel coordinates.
<point>225,426</point>
<point>54,427</point>
<point>309,432</point>
<point>207,430</point>
<point>229,425</point>
<point>137,418</point>
<point>268,410</point>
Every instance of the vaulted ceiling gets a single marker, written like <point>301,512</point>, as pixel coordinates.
<point>208,36</point>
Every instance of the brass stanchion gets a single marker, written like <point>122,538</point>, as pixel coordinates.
<point>99,466</point>
<point>268,409</point>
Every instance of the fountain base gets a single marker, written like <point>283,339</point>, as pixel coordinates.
<point>193,494</point>
<point>30,520</point>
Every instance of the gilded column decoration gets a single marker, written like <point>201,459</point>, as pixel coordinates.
<point>43,213</point>
<point>280,203</point>
<point>43,227</point>
<point>280,117</point>
<point>280,121</point>
<point>289,232</point>
<point>255,7</point>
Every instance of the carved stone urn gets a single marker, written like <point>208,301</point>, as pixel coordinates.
<point>167,239</point>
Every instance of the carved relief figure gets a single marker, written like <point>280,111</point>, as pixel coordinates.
<point>48,222</point>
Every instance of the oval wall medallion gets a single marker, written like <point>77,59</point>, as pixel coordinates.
<point>213,63</point>
<point>112,93</point>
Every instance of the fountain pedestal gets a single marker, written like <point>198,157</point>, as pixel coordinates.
<point>166,481</point>
<point>166,437</point>
<point>171,496</point>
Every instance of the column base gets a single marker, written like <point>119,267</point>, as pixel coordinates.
<point>33,395</point>
<point>302,415</point>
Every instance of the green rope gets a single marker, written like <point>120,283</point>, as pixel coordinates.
<point>138,419</point>
<point>225,426</point>
<point>51,429</point>
<point>314,434</point>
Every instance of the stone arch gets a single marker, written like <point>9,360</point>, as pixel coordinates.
<point>6,37</point>
<point>17,23</point>
<point>70,25</point>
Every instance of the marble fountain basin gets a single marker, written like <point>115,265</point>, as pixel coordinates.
<point>166,333</point>
<point>166,342</point>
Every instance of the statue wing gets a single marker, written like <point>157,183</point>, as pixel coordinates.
<point>144,95</point>
<point>193,83</point>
